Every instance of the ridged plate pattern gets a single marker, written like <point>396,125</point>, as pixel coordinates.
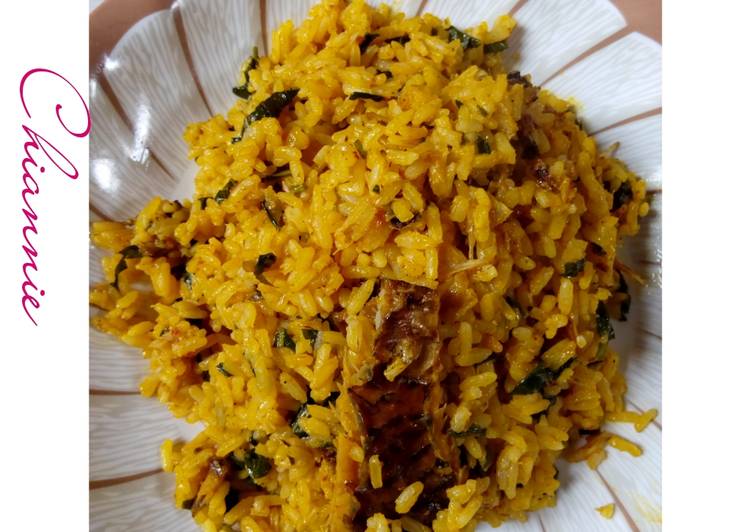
<point>146,95</point>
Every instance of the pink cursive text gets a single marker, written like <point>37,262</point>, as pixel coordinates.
<point>31,172</point>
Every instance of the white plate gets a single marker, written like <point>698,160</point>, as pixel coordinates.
<point>146,93</point>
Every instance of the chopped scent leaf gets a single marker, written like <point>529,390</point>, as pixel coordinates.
<point>311,335</point>
<point>263,263</point>
<point>283,339</point>
<point>495,47</point>
<point>572,269</point>
<point>535,381</point>
<point>622,195</point>
<point>252,64</point>
<point>365,96</point>
<point>223,193</point>
<point>131,252</point>
<point>283,172</point>
<point>220,369</point>
<point>188,279</point>
<point>483,146</point>
<point>539,378</point>
<point>121,266</point>
<point>241,92</point>
<point>272,106</point>
<point>258,466</point>
<point>466,40</point>
<point>604,327</point>
<point>296,428</point>
<point>274,211</point>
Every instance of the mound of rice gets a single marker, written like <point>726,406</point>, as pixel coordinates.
<point>389,301</point>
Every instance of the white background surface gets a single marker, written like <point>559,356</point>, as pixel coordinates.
<point>43,400</point>
<point>44,392</point>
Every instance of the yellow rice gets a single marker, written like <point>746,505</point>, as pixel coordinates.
<point>607,511</point>
<point>457,178</point>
